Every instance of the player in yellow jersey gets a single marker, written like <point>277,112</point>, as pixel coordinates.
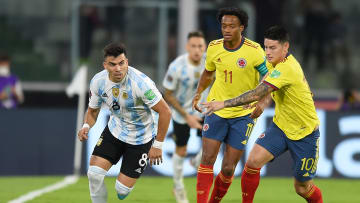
<point>295,124</point>
<point>238,64</point>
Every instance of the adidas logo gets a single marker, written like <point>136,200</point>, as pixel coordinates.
<point>104,95</point>
<point>306,175</point>
<point>138,170</point>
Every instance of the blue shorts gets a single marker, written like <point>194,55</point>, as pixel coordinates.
<point>232,131</point>
<point>304,152</point>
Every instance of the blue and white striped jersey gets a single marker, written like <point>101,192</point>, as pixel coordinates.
<point>182,77</point>
<point>130,101</point>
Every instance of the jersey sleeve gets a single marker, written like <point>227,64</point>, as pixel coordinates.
<point>150,94</point>
<point>279,77</point>
<point>95,99</point>
<point>209,64</point>
<point>171,79</point>
<point>260,61</point>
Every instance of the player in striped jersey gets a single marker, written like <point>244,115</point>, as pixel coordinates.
<point>132,132</point>
<point>238,64</point>
<point>295,126</point>
<point>180,85</point>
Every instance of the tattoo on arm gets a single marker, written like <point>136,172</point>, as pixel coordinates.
<point>253,95</point>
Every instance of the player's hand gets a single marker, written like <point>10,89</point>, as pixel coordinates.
<point>213,106</point>
<point>195,102</point>
<point>83,134</point>
<point>193,121</point>
<point>155,156</point>
<point>259,108</point>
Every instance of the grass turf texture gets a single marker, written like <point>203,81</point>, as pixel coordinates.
<point>159,190</point>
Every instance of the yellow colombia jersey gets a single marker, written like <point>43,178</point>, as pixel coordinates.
<point>236,72</point>
<point>295,112</point>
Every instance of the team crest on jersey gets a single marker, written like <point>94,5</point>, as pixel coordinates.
<point>218,60</point>
<point>125,95</point>
<point>197,75</point>
<point>115,92</point>
<point>262,135</point>
<point>206,127</point>
<point>241,62</point>
<point>169,78</point>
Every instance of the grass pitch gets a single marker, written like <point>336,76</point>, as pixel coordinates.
<point>159,190</point>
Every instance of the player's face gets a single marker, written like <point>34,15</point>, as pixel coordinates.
<point>196,47</point>
<point>275,51</point>
<point>231,28</point>
<point>117,67</point>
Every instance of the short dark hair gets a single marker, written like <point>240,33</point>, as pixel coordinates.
<point>241,14</point>
<point>278,33</point>
<point>4,57</point>
<point>114,49</point>
<point>195,34</point>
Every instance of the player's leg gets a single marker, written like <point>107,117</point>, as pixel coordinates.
<point>239,131</point>
<point>181,137</point>
<point>268,146</point>
<point>224,179</point>
<point>133,165</point>
<point>195,161</point>
<point>305,154</point>
<point>214,130</point>
<point>106,153</point>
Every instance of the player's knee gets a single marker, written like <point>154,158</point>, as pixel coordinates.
<point>301,188</point>
<point>253,162</point>
<point>181,151</point>
<point>228,169</point>
<point>96,178</point>
<point>122,190</point>
<point>208,159</point>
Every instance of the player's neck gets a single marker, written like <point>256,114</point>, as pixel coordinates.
<point>192,62</point>
<point>233,44</point>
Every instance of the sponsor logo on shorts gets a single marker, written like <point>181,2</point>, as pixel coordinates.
<point>99,141</point>
<point>262,135</point>
<point>138,170</point>
<point>206,127</point>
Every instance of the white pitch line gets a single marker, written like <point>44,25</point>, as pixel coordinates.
<point>68,180</point>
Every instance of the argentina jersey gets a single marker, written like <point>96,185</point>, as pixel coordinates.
<point>130,101</point>
<point>182,78</point>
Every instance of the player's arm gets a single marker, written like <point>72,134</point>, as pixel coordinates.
<point>89,121</point>
<point>250,96</point>
<point>192,121</point>
<point>205,80</point>
<point>155,153</point>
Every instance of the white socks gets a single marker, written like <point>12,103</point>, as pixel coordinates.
<point>98,192</point>
<point>178,163</point>
<point>122,190</point>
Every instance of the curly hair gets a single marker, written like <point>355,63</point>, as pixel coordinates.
<point>241,14</point>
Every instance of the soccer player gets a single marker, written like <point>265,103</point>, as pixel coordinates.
<point>180,85</point>
<point>131,132</point>
<point>295,124</point>
<point>238,64</point>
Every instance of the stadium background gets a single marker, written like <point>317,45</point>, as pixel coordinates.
<point>48,41</point>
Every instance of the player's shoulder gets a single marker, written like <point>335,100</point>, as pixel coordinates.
<point>99,77</point>
<point>216,42</point>
<point>138,77</point>
<point>178,62</point>
<point>251,44</point>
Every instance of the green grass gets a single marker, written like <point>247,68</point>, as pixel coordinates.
<point>159,190</point>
